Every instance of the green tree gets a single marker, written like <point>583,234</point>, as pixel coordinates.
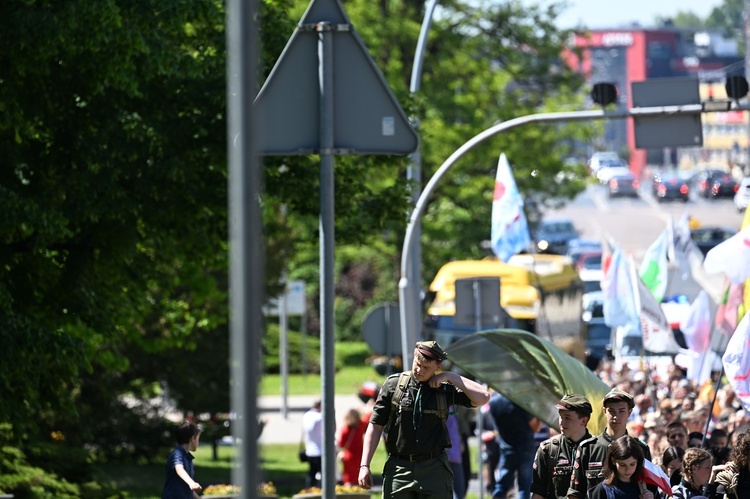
<point>729,17</point>
<point>114,236</point>
<point>683,19</point>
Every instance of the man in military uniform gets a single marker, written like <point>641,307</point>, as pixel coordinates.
<point>414,418</point>
<point>554,459</point>
<point>592,453</point>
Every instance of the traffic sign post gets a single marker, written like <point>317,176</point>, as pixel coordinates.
<point>291,302</point>
<point>381,330</point>
<point>318,100</point>
<point>478,302</point>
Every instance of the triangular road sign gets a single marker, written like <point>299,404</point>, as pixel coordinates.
<point>367,117</point>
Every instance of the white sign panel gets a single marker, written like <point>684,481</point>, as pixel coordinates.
<point>295,300</point>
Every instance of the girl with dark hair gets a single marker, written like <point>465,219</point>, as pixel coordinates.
<point>622,472</point>
<point>671,463</point>
<point>698,475</point>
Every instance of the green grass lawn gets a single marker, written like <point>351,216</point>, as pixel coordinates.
<point>352,372</point>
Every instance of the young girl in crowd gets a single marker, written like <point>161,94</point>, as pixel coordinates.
<point>672,463</point>
<point>698,474</point>
<point>623,472</point>
<point>351,442</point>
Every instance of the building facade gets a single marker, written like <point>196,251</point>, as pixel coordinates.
<point>624,56</point>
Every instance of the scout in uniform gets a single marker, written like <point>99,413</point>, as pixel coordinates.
<point>592,454</point>
<point>412,408</point>
<point>553,463</point>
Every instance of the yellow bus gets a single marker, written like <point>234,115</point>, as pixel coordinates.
<point>541,294</point>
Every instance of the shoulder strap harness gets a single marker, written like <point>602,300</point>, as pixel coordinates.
<point>401,388</point>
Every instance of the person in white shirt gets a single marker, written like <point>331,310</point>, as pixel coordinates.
<point>312,428</point>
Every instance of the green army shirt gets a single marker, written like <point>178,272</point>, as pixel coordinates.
<point>553,466</point>
<point>431,435</point>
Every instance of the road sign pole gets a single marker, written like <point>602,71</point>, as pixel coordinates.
<point>284,354</point>
<point>477,289</point>
<point>325,56</point>
<point>414,175</point>
<point>246,237</point>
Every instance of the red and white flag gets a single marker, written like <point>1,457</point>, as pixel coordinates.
<point>654,475</point>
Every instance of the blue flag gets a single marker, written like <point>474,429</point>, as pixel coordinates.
<point>510,230</point>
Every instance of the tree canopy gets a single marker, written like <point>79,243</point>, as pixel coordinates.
<point>113,275</point>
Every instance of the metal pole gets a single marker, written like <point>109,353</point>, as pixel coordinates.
<point>246,238</point>
<point>410,335</point>
<point>284,353</point>
<point>477,288</point>
<point>406,284</point>
<point>325,68</point>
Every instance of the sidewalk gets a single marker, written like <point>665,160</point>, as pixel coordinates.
<point>288,430</point>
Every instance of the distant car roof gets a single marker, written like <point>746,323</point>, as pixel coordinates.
<point>580,242</point>
<point>669,175</point>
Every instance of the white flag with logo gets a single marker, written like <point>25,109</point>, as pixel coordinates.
<point>731,257</point>
<point>680,244</point>
<point>617,291</point>
<point>736,362</point>
<point>510,230</point>
<point>696,327</point>
<point>657,335</point>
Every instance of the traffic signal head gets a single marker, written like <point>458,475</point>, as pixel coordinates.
<point>736,87</point>
<point>604,93</point>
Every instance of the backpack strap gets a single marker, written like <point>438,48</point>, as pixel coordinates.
<point>401,387</point>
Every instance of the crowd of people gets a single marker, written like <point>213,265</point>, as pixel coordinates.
<point>699,437</point>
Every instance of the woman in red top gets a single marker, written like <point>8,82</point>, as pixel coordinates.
<point>350,443</point>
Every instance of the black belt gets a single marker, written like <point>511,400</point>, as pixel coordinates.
<point>417,458</point>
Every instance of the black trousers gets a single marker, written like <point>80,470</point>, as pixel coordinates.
<point>316,466</point>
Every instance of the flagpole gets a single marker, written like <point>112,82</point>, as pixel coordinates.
<point>711,407</point>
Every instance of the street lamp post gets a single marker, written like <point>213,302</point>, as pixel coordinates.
<point>409,334</point>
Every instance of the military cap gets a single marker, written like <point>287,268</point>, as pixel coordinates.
<point>575,402</point>
<point>432,350</point>
<point>617,395</point>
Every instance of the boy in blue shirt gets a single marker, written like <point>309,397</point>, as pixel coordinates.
<point>180,470</point>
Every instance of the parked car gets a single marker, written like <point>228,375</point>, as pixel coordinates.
<point>623,184</point>
<point>604,159</point>
<point>715,183</point>
<point>552,235</point>
<point>593,306</point>
<point>708,237</point>
<point>597,338</point>
<point>670,186</point>
<point>742,197</point>
<point>590,260</point>
<point>576,247</point>
<point>607,172</point>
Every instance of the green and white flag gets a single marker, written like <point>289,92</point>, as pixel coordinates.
<point>653,269</point>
